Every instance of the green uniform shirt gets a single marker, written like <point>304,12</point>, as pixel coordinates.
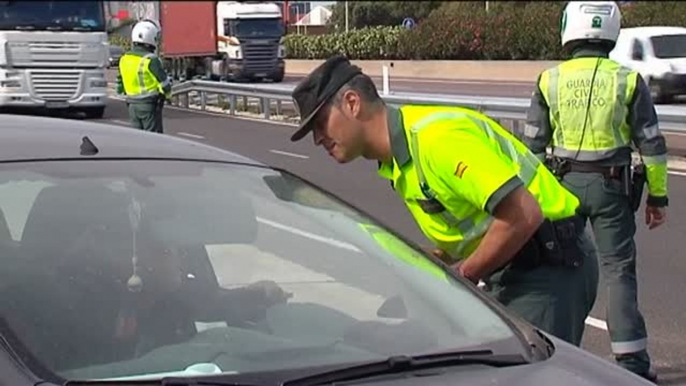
<point>470,164</point>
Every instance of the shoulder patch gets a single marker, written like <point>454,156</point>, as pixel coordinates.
<point>460,169</point>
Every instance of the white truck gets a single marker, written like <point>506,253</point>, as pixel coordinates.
<point>659,55</point>
<point>225,40</point>
<point>53,55</point>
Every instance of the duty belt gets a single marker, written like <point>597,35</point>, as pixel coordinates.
<point>555,243</point>
<point>607,171</point>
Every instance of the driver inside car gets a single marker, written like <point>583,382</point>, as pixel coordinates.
<point>175,292</point>
<point>78,262</point>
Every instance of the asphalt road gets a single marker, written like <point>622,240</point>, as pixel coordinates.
<point>676,141</point>
<point>661,265</point>
<point>448,86</point>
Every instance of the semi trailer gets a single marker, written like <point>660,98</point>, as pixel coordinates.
<point>222,40</point>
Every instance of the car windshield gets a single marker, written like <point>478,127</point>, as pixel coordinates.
<point>259,28</point>
<point>135,268</point>
<point>52,15</point>
<point>669,46</point>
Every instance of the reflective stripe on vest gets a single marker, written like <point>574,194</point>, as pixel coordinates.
<point>402,251</point>
<point>527,162</point>
<point>566,88</point>
<point>139,82</point>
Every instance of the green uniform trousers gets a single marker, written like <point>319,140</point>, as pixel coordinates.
<point>557,300</point>
<point>608,208</point>
<point>146,116</point>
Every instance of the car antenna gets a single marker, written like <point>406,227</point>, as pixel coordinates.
<point>88,147</point>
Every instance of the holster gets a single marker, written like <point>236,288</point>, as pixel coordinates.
<point>558,166</point>
<point>555,243</point>
<point>638,180</point>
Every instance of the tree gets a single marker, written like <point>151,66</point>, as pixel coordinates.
<point>380,13</point>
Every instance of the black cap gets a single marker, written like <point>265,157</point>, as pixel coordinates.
<point>318,87</point>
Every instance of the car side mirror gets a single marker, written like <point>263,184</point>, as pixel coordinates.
<point>637,55</point>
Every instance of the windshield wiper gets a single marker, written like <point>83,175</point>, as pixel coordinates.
<point>166,381</point>
<point>25,27</point>
<point>401,364</point>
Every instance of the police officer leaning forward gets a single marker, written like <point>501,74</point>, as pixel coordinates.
<point>474,190</point>
<point>590,109</point>
<point>142,78</point>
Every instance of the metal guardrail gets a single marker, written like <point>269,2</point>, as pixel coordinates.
<point>672,118</point>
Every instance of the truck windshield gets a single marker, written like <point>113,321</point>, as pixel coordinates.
<point>669,46</point>
<point>52,15</point>
<point>259,27</point>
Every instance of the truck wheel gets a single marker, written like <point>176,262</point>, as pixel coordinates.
<point>94,112</point>
<point>278,78</point>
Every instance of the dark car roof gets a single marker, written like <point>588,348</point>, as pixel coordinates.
<point>30,137</point>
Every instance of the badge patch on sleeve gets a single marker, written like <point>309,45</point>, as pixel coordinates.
<point>460,169</point>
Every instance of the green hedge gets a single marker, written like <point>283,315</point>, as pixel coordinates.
<point>121,41</point>
<point>465,31</point>
<point>366,43</point>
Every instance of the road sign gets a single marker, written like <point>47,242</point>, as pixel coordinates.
<point>408,23</point>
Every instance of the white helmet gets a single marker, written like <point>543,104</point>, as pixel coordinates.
<point>147,32</point>
<point>590,20</point>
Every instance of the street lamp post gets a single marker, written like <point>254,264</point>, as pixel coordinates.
<point>346,16</point>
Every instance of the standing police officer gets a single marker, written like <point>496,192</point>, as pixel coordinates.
<point>142,78</point>
<point>590,109</point>
<point>479,194</point>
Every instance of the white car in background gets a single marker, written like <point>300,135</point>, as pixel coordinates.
<point>659,55</point>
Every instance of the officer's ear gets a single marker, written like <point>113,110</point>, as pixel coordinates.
<point>352,103</point>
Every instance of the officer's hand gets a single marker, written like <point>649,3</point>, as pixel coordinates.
<point>268,293</point>
<point>441,255</point>
<point>655,216</point>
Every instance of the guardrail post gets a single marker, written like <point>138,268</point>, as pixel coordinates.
<point>266,108</point>
<point>186,100</point>
<point>203,100</point>
<point>175,100</point>
<point>245,103</point>
<point>232,104</point>
<point>278,107</point>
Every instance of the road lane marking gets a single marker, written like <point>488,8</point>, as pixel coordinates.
<point>597,323</point>
<point>119,121</point>
<point>276,123</point>
<point>296,231</point>
<point>289,154</point>
<point>189,135</point>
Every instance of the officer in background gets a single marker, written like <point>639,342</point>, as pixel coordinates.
<point>475,191</point>
<point>591,109</point>
<point>142,78</point>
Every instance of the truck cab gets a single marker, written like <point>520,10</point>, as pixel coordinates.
<point>250,36</point>
<point>53,55</point>
<point>659,55</point>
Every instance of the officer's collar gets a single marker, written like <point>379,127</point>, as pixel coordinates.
<point>590,52</point>
<point>141,50</point>
<point>396,131</point>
